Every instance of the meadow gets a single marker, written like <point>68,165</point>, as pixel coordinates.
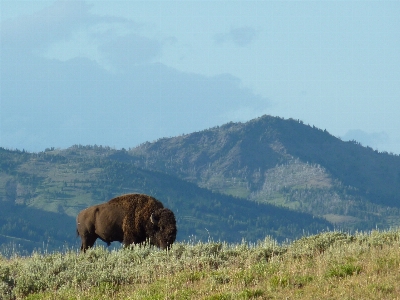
<point>329,265</point>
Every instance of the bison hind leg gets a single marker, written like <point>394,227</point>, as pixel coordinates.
<point>88,242</point>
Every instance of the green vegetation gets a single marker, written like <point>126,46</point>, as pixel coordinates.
<point>268,176</point>
<point>286,163</point>
<point>331,265</point>
<point>41,198</point>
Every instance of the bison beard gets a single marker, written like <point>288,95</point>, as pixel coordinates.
<point>129,219</point>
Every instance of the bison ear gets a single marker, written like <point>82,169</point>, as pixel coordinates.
<point>153,219</point>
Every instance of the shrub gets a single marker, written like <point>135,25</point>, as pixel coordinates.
<point>366,262</point>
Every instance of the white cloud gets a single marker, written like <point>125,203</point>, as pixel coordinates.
<point>63,30</point>
<point>55,22</point>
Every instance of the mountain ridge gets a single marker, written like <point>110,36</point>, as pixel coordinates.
<point>62,182</point>
<point>267,176</point>
<point>262,146</point>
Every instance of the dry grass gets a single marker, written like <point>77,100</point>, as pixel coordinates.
<point>331,265</point>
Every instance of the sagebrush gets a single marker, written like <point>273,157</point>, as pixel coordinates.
<point>332,265</point>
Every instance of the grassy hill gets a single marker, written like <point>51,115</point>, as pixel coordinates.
<point>268,176</point>
<point>331,265</point>
<point>287,163</point>
<point>41,194</point>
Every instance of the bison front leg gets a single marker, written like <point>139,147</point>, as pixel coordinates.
<point>130,233</point>
<point>129,241</point>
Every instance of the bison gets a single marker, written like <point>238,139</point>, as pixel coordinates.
<point>129,219</point>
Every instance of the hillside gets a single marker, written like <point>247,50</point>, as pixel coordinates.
<point>268,176</point>
<point>331,265</point>
<point>55,185</point>
<point>285,162</point>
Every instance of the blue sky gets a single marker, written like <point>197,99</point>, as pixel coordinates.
<point>119,73</point>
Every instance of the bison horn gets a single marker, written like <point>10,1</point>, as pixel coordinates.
<point>153,219</point>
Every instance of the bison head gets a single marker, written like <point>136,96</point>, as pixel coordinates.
<point>163,228</point>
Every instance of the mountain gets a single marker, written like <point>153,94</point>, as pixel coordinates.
<point>268,176</point>
<point>287,163</point>
<point>41,194</point>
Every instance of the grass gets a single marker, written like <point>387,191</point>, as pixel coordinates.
<point>331,265</point>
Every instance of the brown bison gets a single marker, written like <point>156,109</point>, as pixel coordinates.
<point>129,219</point>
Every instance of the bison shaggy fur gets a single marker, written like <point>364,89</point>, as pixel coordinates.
<point>129,219</point>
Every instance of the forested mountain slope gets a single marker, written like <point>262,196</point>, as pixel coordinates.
<point>285,162</point>
<point>41,193</point>
<point>269,176</point>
